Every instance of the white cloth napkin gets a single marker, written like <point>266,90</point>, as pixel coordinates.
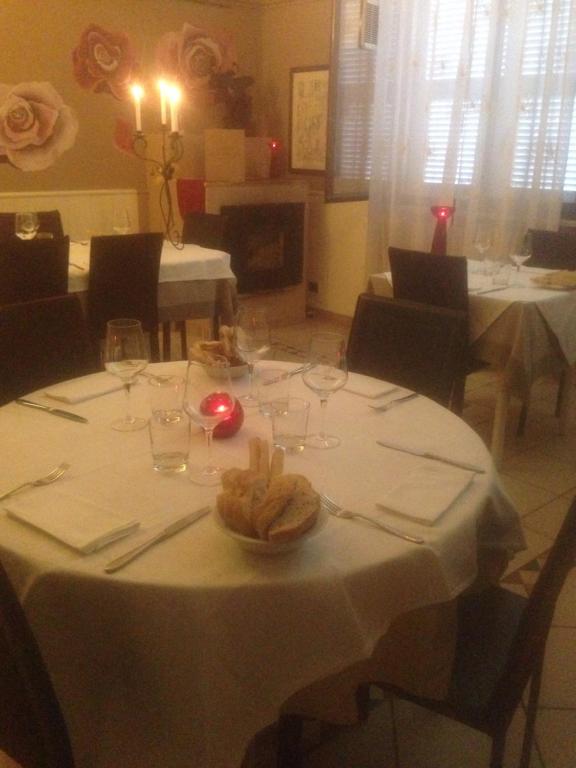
<point>77,522</point>
<point>84,388</point>
<point>426,492</point>
<point>368,387</point>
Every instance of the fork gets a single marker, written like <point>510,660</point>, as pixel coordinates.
<point>46,480</point>
<point>334,509</point>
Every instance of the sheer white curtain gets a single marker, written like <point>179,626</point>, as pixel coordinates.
<point>474,105</point>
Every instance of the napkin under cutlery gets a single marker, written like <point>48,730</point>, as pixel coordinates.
<point>75,521</point>
<point>426,454</point>
<point>84,388</point>
<point>367,387</point>
<point>425,493</point>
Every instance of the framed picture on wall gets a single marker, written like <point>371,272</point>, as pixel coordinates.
<point>308,119</point>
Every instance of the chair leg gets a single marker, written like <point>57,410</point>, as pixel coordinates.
<point>166,340</point>
<point>497,754</point>
<point>154,345</point>
<point>290,729</point>
<point>560,395</point>
<point>531,712</point>
<point>522,419</point>
<point>183,339</point>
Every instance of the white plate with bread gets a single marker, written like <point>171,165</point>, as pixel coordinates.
<point>264,510</point>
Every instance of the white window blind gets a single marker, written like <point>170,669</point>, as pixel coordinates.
<point>464,39</point>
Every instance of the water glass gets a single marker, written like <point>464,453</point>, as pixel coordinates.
<point>26,225</point>
<point>169,424</point>
<point>290,425</point>
<point>272,385</point>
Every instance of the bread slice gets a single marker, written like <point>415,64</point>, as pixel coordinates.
<point>297,517</point>
<point>281,489</point>
<point>235,512</point>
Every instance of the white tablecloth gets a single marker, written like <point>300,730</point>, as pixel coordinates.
<point>190,279</point>
<point>180,658</point>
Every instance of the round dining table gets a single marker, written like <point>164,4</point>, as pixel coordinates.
<point>181,657</point>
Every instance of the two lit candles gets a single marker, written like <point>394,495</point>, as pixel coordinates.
<point>169,94</point>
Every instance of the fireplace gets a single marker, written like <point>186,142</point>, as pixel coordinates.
<point>266,245</point>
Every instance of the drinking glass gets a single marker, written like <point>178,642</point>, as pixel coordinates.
<point>327,374</point>
<point>208,400</point>
<point>125,356</point>
<point>253,341</point>
<point>122,224</point>
<point>26,225</point>
<point>521,254</point>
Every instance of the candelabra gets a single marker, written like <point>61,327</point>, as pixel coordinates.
<point>172,149</point>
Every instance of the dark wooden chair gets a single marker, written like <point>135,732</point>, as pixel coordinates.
<point>209,230</point>
<point>123,282</point>
<point>500,648</point>
<point>41,343</point>
<point>33,269</point>
<point>414,345</point>
<point>50,225</point>
<point>433,279</point>
<point>553,250</point>
<point>32,728</point>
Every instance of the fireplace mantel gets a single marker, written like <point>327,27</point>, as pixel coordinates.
<point>254,192</point>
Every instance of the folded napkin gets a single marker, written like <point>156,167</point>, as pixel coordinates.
<point>84,388</point>
<point>367,387</point>
<point>426,492</point>
<point>77,522</point>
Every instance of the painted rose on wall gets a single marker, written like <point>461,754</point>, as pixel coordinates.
<point>104,62</point>
<point>36,127</point>
<point>204,64</point>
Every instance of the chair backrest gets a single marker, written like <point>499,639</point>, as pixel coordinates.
<point>553,250</point>
<point>528,646</point>
<point>123,280</point>
<point>33,269</point>
<point>50,224</point>
<point>429,278</point>
<point>418,346</point>
<point>41,343</point>
<point>206,229</point>
<point>32,728</point>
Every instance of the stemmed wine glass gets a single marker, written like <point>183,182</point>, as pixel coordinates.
<point>253,341</point>
<point>327,374</point>
<point>125,356</point>
<point>208,400</point>
<point>520,255</point>
<point>26,225</point>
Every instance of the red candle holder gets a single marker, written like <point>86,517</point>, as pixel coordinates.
<point>275,158</point>
<point>442,214</point>
<point>220,403</point>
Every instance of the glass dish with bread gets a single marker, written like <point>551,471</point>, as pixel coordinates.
<point>264,510</point>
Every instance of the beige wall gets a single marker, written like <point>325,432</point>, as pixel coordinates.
<point>297,34</point>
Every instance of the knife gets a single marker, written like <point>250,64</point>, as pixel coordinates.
<point>490,290</point>
<point>393,403</point>
<point>165,533</point>
<point>430,455</point>
<point>53,411</point>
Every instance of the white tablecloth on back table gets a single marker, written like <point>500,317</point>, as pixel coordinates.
<point>180,658</point>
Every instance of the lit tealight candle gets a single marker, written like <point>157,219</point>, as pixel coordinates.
<point>137,94</point>
<point>162,87</point>
<point>174,102</point>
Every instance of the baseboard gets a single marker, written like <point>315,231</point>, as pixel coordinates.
<point>324,314</point>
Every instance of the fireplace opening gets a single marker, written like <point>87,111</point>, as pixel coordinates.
<point>266,245</point>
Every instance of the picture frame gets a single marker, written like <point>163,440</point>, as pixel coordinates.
<point>308,119</point>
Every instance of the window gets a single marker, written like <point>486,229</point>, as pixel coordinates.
<point>474,39</point>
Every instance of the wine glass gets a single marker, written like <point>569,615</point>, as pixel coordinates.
<point>125,356</point>
<point>253,341</point>
<point>122,224</point>
<point>26,225</point>
<point>521,254</point>
<point>327,374</point>
<point>208,400</point>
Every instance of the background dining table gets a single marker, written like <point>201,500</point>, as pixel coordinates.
<point>522,330</point>
<point>183,656</point>
<point>194,282</point>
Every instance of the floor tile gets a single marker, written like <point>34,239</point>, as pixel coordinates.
<point>565,614</point>
<point>536,543</point>
<point>556,736</point>
<point>536,467</point>
<point>559,678</point>
<point>526,496</point>
<point>548,517</point>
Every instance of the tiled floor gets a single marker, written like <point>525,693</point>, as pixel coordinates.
<point>539,472</point>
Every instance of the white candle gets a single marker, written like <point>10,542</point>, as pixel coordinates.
<point>137,94</point>
<point>162,88</point>
<point>174,101</point>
